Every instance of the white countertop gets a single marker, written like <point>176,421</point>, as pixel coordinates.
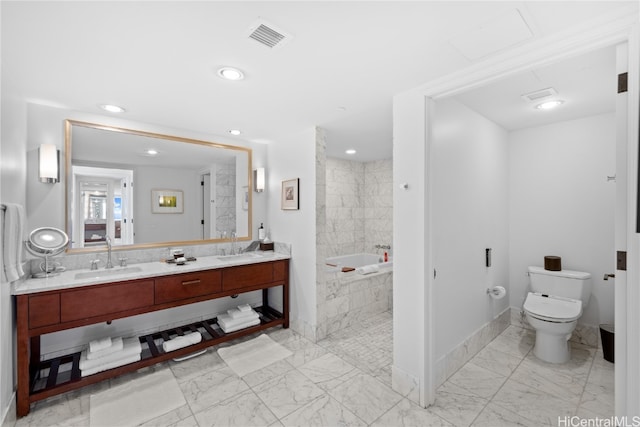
<point>68,279</point>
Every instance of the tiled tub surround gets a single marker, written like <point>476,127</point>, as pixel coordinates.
<point>353,297</point>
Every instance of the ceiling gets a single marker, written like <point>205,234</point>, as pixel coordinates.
<point>339,69</point>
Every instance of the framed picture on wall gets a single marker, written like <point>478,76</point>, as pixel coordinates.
<point>167,202</point>
<point>290,194</point>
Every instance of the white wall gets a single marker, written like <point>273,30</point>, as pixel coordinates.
<point>470,214</point>
<point>561,204</point>
<point>12,190</point>
<point>294,156</point>
<point>156,227</point>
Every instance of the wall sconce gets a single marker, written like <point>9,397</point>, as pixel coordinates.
<point>49,163</point>
<point>259,180</point>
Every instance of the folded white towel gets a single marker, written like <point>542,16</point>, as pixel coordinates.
<point>181,341</point>
<point>230,322</point>
<point>131,346</point>
<point>114,364</point>
<point>101,344</point>
<point>14,224</point>
<point>235,313</point>
<point>116,345</point>
<point>367,269</point>
<point>245,307</point>
<point>238,326</point>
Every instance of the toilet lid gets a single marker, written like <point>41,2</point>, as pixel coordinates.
<point>552,308</point>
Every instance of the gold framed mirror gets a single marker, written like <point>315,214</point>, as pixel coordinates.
<point>145,190</point>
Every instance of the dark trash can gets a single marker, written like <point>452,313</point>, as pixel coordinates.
<point>607,334</point>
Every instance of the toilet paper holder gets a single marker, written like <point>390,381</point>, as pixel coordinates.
<point>497,292</point>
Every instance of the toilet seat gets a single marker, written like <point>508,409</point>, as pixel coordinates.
<point>552,308</point>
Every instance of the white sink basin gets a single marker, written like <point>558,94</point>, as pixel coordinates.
<point>240,257</point>
<point>98,274</point>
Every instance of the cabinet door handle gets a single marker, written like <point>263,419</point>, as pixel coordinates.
<point>191,282</point>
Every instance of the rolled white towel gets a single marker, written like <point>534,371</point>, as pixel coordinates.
<point>235,313</point>
<point>116,345</point>
<point>368,269</point>
<point>101,344</point>
<point>245,307</point>
<point>230,322</point>
<point>181,341</point>
<point>131,346</point>
<point>110,365</point>
<point>236,327</point>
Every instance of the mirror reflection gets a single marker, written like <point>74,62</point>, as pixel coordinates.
<point>147,189</point>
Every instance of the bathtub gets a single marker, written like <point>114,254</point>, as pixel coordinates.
<point>356,260</point>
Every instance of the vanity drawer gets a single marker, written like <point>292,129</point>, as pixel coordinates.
<point>104,300</point>
<point>188,285</point>
<point>44,310</point>
<point>247,276</point>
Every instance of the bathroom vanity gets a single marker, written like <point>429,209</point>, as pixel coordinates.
<point>74,299</point>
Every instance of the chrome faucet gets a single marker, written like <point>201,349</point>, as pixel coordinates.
<point>108,240</point>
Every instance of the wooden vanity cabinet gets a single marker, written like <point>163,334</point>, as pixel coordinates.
<point>41,313</point>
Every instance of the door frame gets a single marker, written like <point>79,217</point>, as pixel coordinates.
<point>608,30</point>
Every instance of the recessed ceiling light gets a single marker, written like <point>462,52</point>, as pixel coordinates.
<point>230,73</point>
<point>350,151</point>
<point>548,105</point>
<point>112,108</point>
<point>151,152</point>
<point>235,132</point>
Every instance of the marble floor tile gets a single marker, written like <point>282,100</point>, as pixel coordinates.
<point>345,380</point>
<point>565,381</point>
<point>196,366</point>
<point>478,380</point>
<point>506,344</point>
<point>267,373</point>
<point>211,388</point>
<point>366,397</point>
<point>532,403</point>
<point>287,393</point>
<point>323,411</point>
<point>303,350</point>
<point>496,361</point>
<point>325,368</point>
<point>496,416</point>
<point>408,414</point>
<point>181,416</point>
<point>457,405</point>
<point>245,409</point>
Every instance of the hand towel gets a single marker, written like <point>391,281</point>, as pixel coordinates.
<point>181,341</point>
<point>114,364</point>
<point>235,313</point>
<point>244,307</point>
<point>14,223</point>
<point>131,346</point>
<point>227,329</point>
<point>230,322</point>
<point>116,345</point>
<point>100,344</point>
<point>367,269</point>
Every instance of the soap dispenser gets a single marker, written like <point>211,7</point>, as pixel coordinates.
<point>261,232</point>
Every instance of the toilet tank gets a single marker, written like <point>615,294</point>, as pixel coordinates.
<point>564,283</point>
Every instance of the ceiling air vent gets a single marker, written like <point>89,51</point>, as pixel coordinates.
<point>539,94</point>
<point>268,35</point>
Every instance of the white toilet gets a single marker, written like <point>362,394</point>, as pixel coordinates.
<point>553,307</point>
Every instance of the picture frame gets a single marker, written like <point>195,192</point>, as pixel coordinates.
<point>290,198</point>
<point>167,201</point>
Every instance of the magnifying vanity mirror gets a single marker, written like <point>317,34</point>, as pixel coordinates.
<point>144,189</point>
